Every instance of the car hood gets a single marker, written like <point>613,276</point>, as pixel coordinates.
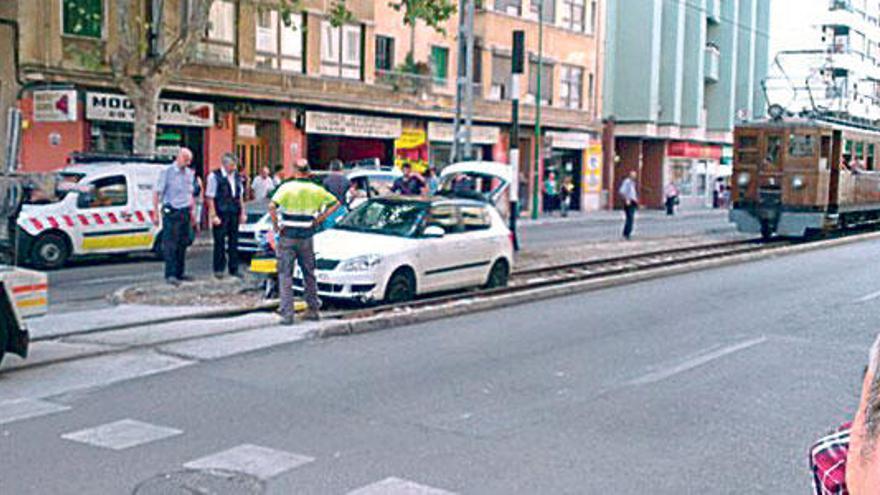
<point>341,245</point>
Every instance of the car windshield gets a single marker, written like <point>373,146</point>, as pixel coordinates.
<point>386,217</point>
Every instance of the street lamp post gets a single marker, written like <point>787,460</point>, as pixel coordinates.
<point>536,189</point>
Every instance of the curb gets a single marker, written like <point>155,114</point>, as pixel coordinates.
<point>469,306</point>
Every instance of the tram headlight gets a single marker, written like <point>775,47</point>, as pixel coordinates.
<point>743,179</point>
<point>797,182</point>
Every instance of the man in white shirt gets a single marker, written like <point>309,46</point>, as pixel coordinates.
<point>263,185</point>
<point>630,193</point>
<point>225,199</point>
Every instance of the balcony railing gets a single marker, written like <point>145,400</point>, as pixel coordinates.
<point>713,63</point>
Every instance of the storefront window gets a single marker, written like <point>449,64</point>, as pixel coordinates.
<point>83,18</point>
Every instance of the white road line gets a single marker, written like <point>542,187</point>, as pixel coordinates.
<point>262,462</point>
<point>695,362</point>
<point>20,409</point>
<point>397,486</point>
<point>869,297</point>
<point>121,435</point>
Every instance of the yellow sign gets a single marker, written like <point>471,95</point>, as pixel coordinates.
<point>412,148</point>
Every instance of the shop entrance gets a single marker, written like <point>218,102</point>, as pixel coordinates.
<point>568,163</point>
<point>253,154</point>
<point>323,149</point>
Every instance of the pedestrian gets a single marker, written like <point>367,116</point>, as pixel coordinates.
<point>225,198</point>
<point>199,197</point>
<point>410,184</point>
<point>174,204</point>
<point>671,194</point>
<point>716,193</point>
<point>297,209</point>
<point>263,185</point>
<point>566,192</point>
<point>523,193</point>
<point>551,193</point>
<point>338,185</point>
<point>432,181</point>
<point>630,194</point>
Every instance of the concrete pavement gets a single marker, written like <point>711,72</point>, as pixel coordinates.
<point>711,382</point>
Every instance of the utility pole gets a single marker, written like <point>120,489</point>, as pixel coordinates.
<point>517,66</point>
<point>536,190</point>
<point>464,87</point>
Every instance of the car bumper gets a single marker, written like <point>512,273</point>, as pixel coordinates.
<point>354,286</point>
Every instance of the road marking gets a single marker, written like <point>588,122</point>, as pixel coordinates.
<point>121,435</point>
<point>397,486</point>
<point>20,409</point>
<point>695,362</point>
<point>870,297</point>
<point>262,462</point>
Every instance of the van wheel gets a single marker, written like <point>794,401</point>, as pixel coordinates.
<point>50,252</point>
<point>401,287</point>
<point>498,275</point>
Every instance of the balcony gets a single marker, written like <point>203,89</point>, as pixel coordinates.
<point>713,63</point>
<point>713,11</point>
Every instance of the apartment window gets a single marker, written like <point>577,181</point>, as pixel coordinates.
<point>573,14</point>
<point>594,11</point>
<point>439,63</point>
<point>571,87</point>
<point>591,88</point>
<point>546,81</point>
<point>384,53</point>
<point>220,35</point>
<point>501,68</point>
<point>512,7</point>
<point>549,9</point>
<point>279,45</point>
<point>341,50</point>
<point>83,18</point>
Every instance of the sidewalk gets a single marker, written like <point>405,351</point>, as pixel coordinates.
<point>616,216</point>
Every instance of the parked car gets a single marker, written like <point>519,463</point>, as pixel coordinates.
<point>394,248</point>
<point>369,183</point>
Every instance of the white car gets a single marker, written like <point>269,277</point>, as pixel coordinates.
<point>489,181</point>
<point>368,182</point>
<point>394,248</point>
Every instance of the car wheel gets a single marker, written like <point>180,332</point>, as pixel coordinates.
<point>401,287</point>
<point>50,252</point>
<point>498,275</point>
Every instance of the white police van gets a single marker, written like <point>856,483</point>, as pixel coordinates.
<point>101,207</point>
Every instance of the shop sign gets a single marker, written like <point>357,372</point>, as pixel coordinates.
<point>411,148</point>
<point>118,108</point>
<point>593,182</point>
<point>727,155</point>
<point>440,132</point>
<point>343,124</point>
<point>247,130</point>
<point>687,149</point>
<point>569,140</point>
<point>55,106</point>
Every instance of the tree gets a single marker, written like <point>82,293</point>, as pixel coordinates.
<point>434,13</point>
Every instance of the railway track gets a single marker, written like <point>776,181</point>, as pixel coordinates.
<point>563,273</point>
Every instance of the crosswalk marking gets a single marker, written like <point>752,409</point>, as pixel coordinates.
<point>122,434</point>
<point>20,409</point>
<point>397,486</point>
<point>262,462</point>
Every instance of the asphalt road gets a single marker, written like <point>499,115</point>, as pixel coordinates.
<point>86,284</point>
<point>711,382</point>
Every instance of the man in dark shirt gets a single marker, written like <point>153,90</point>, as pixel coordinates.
<point>410,184</point>
<point>336,182</point>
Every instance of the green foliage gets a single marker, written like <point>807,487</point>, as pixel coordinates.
<point>434,13</point>
<point>288,8</point>
<point>339,14</point>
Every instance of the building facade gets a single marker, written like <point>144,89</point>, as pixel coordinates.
<point>679,75</point>
<point>273,91</point>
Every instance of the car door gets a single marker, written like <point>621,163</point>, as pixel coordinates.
<point>437,256</point>
<point>105,210</point>
<point>476,243</point>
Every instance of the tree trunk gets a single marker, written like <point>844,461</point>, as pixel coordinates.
<point>146,115</point>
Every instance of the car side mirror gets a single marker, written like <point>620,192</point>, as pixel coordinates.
<point>434,231</point>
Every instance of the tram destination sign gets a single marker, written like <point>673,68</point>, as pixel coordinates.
<point>118,108</point>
